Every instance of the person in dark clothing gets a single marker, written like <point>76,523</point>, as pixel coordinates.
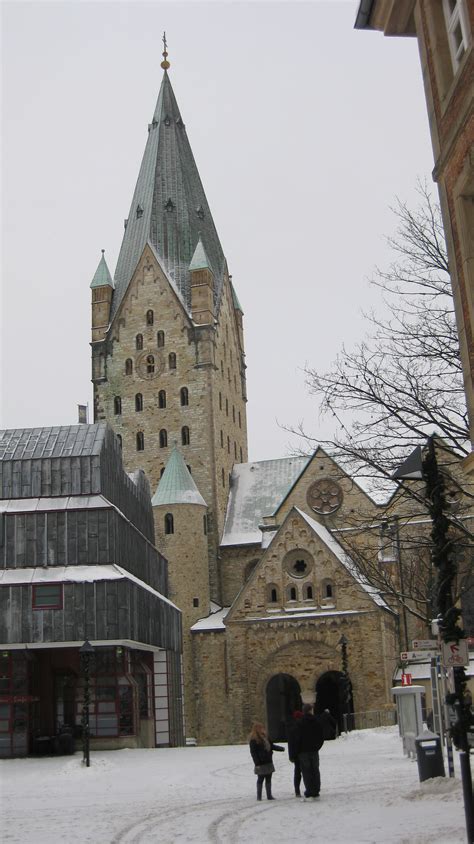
<point>309,739</point>
<point>261,751</point>
<point>329,725</point>
<point>292,751</point>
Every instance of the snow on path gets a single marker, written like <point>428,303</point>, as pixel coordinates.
<point>370,794</point>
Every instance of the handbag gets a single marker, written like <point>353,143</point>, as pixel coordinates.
<point>266,768</point>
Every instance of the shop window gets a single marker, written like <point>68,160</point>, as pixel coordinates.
<point>128,366</point>
<point>185,435</point>
<point>160,339</point>
<point>149,317</point>
<point>184,396</point>
<point>48,596</point>
<point>162,399</point>
<point>172,360</point>
<point>169,523</point>
<point>163,438</point>
<point>138,402</point>
<point>117,405</point>
<point>139,341</point>
<point>112,693</point>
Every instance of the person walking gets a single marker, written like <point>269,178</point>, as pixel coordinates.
<point>309,739</point>
<point>261,751</point>
<point>293,751</point>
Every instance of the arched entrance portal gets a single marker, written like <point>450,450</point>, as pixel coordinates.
<point>283,697</point>
<point>334,692</point>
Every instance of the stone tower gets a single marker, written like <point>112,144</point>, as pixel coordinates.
<point>180,515</point>
<point>168,358</point>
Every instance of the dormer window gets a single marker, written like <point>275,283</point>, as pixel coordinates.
<point>169,206</point>
<point>139,212</point>
<point>167,121</point>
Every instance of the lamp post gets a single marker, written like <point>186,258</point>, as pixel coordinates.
<point>425,467</point>
<point>86,651</point>
<point>343,642</point>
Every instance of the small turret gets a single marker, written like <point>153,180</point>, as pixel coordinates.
<point>202,287</point>
<point>102,287</point>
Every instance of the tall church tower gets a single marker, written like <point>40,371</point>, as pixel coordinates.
<point>168,360</point>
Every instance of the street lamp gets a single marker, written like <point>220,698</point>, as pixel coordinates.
<point>346,683</point>
<point>86,651</point>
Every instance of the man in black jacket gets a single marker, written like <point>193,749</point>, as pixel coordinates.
<point>308,741</point>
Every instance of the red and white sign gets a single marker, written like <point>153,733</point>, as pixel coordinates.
<point>455,653</point>
<point>406,679</point>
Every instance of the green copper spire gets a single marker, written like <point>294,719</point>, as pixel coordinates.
<point>176,486</point>
<point>200,261</point>
<point>102,277</point>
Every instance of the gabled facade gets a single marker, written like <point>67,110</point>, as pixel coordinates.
<point>78,562</point>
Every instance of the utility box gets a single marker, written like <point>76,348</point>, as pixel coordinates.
<point>409,715</point>
<point>429,756</point>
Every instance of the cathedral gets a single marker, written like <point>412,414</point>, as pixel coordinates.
<point>274,610</point>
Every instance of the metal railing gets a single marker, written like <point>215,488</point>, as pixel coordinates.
<point>369,720</point>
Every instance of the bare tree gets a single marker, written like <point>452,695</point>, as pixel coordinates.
<point>387,395</point>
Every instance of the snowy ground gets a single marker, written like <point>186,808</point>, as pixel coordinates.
<point>370,794</point>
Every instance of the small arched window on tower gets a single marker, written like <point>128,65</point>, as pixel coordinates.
<point>160,339</point>
<point>169,523</point>
<point>140,441</point>
<point>185,435</point>
<point>272,594</point>
<point>138,402</point>
<point>172,360</point>
<point>139,341</point>
<point>163,438</point>
<point>128,366</point>
<point>150,364</point>
<point>162,399</point>
<point>308,592</point>
<point>291,593</point>
<point>117,405</point>
<point>328,592</point>
<point>184,396</point>
<point>149,317</point>
<point>119,440</point>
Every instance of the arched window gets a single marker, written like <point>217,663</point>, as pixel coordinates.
<point>185,435</point>
<point>119,439</point>
<point>169,523</point>
<point>163,438</point>
<point>150,364</point>
<point>220,401</point>
<point>172,360</point>
<point>240,420</point>
<point>184,396</point>
<point>140,441</point>
<point>149,317</point>
<point>235,450</point>
<point>160,339</point>
<point>223,477</point>
<point>228,445</point>
<point>233,413</point>
<point>272,594</point>
<point>128,366</point>
<point>328,590</point>
<point>227,407</point>
<point>139,341</point>
<point>117,405</point>
<point>291,593</point>
<point>308,592</point>
<point>241,458</point>
<point>138,402</point>
<point>222,439</point>
<point>162,399</point>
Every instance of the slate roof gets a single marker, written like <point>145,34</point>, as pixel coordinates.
<point>169,208</point>
<point>256,490</point>
<point>176,485</point>
<point>64,441</point>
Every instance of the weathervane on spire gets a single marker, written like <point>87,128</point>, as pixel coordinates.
<point>165,63</point>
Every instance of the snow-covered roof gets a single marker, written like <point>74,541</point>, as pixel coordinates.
<point>213,621</point>
<point>326,536</point>
<point>59,502</point>
<point>256,490</point>
<point>74,574</point>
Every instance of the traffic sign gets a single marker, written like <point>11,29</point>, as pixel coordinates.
<point>424,644</point>
<point>418,656</point>
<point>455,653</point>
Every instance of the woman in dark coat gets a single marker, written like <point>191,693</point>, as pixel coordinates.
<point>261,751</point>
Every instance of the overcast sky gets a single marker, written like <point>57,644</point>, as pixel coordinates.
<point>303,129</point>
